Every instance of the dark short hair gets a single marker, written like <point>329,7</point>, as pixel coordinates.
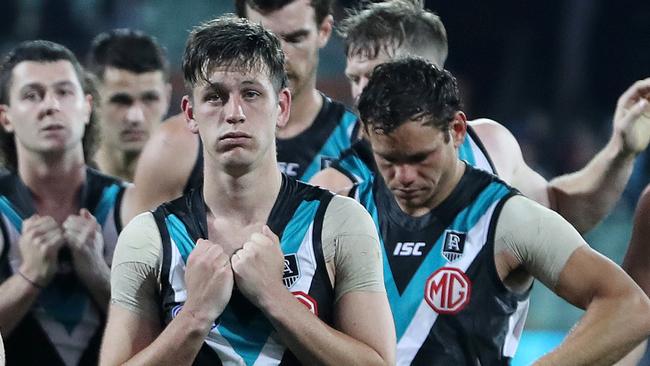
<point>126,49</point>
<point>229,41</point>
<point>43,52</point>
<point>322,8</point>
<point>393,24</point>
<point>400,90</point>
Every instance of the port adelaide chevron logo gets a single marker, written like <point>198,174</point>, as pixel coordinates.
<point>291,272</point>
<point>454,245</point>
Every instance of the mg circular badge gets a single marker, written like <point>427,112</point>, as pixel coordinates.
<point>448,290</point>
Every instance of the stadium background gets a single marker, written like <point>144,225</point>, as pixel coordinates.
<point>550,71</point>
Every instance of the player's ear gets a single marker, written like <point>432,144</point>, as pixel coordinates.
<point>325,30</point>
<point>188,112</point>
<point>284,103</point>
<point>458,129</point>
<point>4,119</point>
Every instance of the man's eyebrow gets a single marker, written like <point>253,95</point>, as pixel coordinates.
<point>295,34</point>
<point>64,83</point>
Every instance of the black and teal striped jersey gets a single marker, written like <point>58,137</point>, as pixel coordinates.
<point>64,322</point>
<point>449,305</point>
<point>332,132</point>
<point>242,335</point>
<point>358,164</point>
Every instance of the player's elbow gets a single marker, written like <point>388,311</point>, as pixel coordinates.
<point>637,306</point>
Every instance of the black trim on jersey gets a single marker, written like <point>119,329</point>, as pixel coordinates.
<point>476,335</point>
<point>12,187</point>
<point>195,180</point>
<point>480,145</point>
<point>321,276</point>
<point>117,211</point>
<point>299,192</point>
<point>165,239</point>
<point>362,150</point>
<point>396,226</point>
<point>302,148</point>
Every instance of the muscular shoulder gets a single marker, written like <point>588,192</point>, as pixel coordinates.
<point>345,216</point>
<point>139,242</point>
<point>333,180</point>
<point>174,132</point>
<point>351,246</point>
<point>500,144</point>
<point>539,239</point>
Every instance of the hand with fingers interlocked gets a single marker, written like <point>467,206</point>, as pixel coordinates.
<point>39,246</point>
<point>208,280</point>
<point>84,238</point>
<point>258,267</point>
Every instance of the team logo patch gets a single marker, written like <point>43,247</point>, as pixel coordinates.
<point>448,290</point>
<point>326,161</point>
<point>454,245</point>
<point>307,300</point>
<point>291,271</point>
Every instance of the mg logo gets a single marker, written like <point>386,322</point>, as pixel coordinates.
<point>448,290</point>
<point>307,300</point>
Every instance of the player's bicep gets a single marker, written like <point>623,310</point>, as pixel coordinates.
<point>505,152</point>
<point>637,258</point>
<point>588,275</point>
<point>531,184</point>
<point>366,317</point>
<point>540,240</point>
<point>126,334</point>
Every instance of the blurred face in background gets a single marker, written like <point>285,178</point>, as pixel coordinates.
<point>301,40</point>
<point>132,105</point>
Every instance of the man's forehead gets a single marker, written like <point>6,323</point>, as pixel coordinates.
<point>117,75</point>
<point>287,19</point>
<point>236,74</point>
<point>35,72</point>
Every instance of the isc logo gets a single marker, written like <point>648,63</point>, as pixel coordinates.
<point>448,290</point>
<point>408,248</point>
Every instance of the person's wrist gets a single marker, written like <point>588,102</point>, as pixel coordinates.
<point>31,279</point>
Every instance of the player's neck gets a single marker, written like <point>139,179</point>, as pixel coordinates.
<point>305,106</point>
<point>244,198</point>
<point>116,162</point>
<point>53,177</point>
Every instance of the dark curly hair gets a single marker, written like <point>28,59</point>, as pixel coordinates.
<point>402,90</point>
<point>44,52</point>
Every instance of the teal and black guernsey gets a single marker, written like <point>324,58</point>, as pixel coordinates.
<point>448,303</point>
<point>358,164</point>
<point>332,132</point>
<point>64,326</point>
<point>242,335</point>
